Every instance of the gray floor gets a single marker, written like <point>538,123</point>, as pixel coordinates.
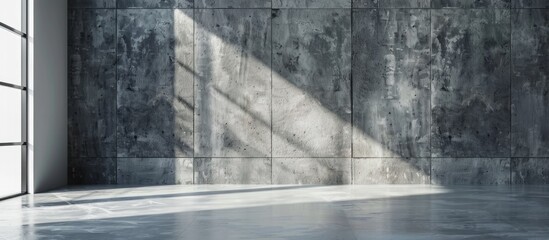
<point>280,212</point>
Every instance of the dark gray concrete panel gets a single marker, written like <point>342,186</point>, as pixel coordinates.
<point>530,4</point>
<point>233,83</point>
<point>470,171</point>
<point>470,92</point>
<point>327,171</point>
<point>92,83</point>
<point>92,4</point>
<point>530,83</point>
<point>391,83</point>
<point>530,170</point>
<point>471,4</point>
<point>92,171</point>
<point>311,83</point>
<point>155,3</point>
<point>365,3</point>
<point>232,3</point>
<point>154,171</point>
<point>155,83</point>
<point>404,3</point>
<point>391,170</point>
<point>311,3</point>
<point>232,171</point>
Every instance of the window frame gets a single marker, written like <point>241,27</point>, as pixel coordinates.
<point>23,34</point>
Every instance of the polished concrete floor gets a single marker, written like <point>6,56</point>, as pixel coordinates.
<point>279,212</point>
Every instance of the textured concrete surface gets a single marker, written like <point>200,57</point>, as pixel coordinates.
<point>530,3</point>
<point>404,3</point>
<point>311,83</point>
<point>154,171</point>
<point>84,171</point>
<point>530,170</point>
<point>232,3</point>
<point>92,85</point>
<point>232,83</point>
<point>364,3</point>
<point>328,171</point>
<point>155,83</point>
<point>92,3</point>
<point>470,3</point>
<point>311,3</point>
<point>144,78</point>
<point>470,171</point>
<point>280,212</point>
<point>391,111</point>
<point>154,3</point>
<point>530,83</point>
<point>470,83</point>
<point>232,171</point>
<point>391,170</point>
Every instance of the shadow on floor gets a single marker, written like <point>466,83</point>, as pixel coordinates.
<point>461,213</point>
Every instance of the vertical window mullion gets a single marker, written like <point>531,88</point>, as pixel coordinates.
<point>13,148</point>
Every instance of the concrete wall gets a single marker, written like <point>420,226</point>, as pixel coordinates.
<point>310,92</point>
<point>47,94</point>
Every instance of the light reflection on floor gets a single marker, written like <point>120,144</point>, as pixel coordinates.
<point>279,212</point>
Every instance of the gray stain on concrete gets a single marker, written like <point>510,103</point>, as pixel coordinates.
<point>404,3</point>
<point>92,85</point>
<point>155,93</point>
<point>92,3</point>
<point>530,170</point>
<point>530,83</point>
<point>155,3</point>
<point>154,171</point>
<point>84,171</point>
<point>233,3</point>
<point>503,4</point>
<point>470,83</point>
<point>391,112</point>
<point>365,3</point>
<point>311,3</point>
<point>470,171</point>
<point>530,3</point>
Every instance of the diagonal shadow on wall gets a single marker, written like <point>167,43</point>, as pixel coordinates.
<point>311,84</point>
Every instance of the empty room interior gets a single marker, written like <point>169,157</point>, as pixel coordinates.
<point>274,119</point>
